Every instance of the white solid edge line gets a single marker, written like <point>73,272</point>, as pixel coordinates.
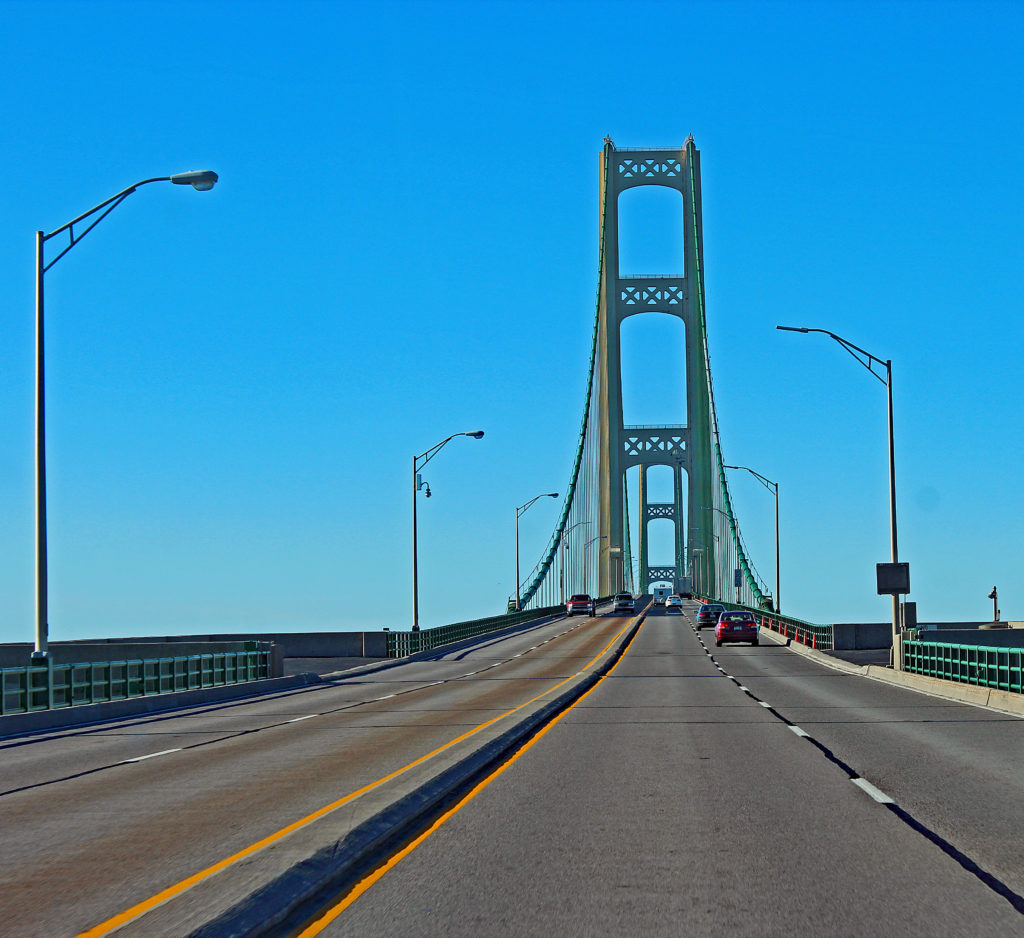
<point>797,730</point>
<point>299,719</point>
<point>880,796</point>
<point>153,755</point>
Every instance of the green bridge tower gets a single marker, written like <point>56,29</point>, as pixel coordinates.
<point>686,449</point>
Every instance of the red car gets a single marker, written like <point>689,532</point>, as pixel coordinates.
<point>581,602</point>
<point>736,626</point>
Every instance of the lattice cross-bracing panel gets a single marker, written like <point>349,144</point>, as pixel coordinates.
<point>630,168</point>
<point>660,573</point>
<point>647,447</point>
<point>664,510</point>
<point>652,294</point>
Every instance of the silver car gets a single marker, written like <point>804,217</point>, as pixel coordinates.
<point>624,602</point>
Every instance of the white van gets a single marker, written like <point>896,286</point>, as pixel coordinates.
<point>661,593</point>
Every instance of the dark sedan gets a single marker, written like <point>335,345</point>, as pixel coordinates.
<point>707,615</point>
<point>736,626</point>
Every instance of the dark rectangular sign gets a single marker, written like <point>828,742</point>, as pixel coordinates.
<point>893,578</point>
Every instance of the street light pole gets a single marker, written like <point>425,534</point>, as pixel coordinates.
<point>586,547</point>
<point>565,536</point>
<point>772,487</point>
<point>699,568</point>
<point>416,485</point>
<point>521,510</point>
<point>728,547</point>
<point>868,361</point>
<point>202,180</point>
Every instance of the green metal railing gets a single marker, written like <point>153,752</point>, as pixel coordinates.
<point>55,686</point>
<point>981,665</point>
<point>806,633</point>
<point>400,644</point>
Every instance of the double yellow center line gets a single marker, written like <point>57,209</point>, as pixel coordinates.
<point>319,924</point>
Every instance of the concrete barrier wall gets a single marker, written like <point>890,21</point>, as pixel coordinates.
<point>20,655</point>
<point>319,644</point>
<point>290,645</point>
<point>994,638</point>
<point>857,636</point>
<point>851,636</point>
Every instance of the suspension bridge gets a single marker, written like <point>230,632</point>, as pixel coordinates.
<point>591,548</point>
<point>529,773</point>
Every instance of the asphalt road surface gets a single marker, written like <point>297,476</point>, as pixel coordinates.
<point>97,819</point>
<point>681,798</point>
<point>694,791</point>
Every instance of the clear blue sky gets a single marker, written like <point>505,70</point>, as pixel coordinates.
<point>403,244</point>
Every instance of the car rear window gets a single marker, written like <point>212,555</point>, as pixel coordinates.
<point>624,596</point>
<point>737,617</point>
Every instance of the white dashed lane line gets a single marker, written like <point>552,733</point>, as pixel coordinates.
<point>880,796</point>
<point>153,755</point>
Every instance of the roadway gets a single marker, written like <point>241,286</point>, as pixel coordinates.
<point>672,800</point>
<point>676,797</point>
<point>99,819</point>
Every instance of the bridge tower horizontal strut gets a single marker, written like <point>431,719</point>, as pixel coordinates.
<point>684,448</point>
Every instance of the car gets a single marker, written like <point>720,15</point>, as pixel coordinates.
<point>708,615</point>
<point>674,602</point>
<point>624,602</point>
<point>736,626</point>
<point>581,602</point>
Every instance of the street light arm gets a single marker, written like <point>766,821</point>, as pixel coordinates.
<point>767,483</point>
<point>434,450</point>
<point>203,179</point>
<point>521,510</point>
<point>855,350</point>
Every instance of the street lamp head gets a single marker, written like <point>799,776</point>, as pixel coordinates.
<point>200,179</point>
<point>793,328</point>
<point>551,495</point>
<point>476,434</point>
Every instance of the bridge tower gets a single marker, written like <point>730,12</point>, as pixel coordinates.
<point>687,449</point>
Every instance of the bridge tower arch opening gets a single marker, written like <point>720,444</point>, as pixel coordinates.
<point>685,448</point>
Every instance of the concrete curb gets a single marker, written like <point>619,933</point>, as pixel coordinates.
<point>295,895</point>
<point>1000,700</point>
<point>17,724</point>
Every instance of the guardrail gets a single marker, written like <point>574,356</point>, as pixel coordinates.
<point>982,665</point>
<point>400,644</point>
<point>806,633</point>
<point>54,686</point>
